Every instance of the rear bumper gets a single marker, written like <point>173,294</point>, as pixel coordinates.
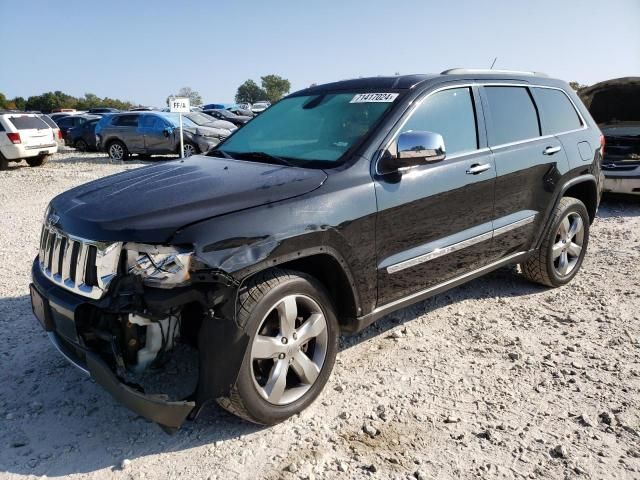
<point>19,151</point>
<point>63,306</point>
<point>627,181</point>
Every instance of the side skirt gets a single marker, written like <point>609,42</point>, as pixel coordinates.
<point>364,321</point>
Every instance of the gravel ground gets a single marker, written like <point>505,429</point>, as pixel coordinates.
<point>498,378</point>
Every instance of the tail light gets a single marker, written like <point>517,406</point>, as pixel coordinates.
<point>14,137</point>
<point>60,134</point>
<point>602,143</point>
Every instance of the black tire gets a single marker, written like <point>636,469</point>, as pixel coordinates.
<point>190,149</point>
<point>38,161</point>
<point>117,146</point>
<point>4,163</point>
<point>262,292</point>
<point>81,145</point>
<point>541,267</point>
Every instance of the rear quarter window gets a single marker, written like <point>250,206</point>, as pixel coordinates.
<point>513,114</point>
<point>24,122</point>
<point>557,113</point>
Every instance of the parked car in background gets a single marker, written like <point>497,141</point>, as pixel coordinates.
<point>102,110</point>
<point>143,109</point>
<point>226,115</point>
<point>63,110</point>
<point>225,128</point>
<point>152,133</point>
<point>210,106</point>
<point>83,137</point>
<point>260,107</point>
<point>615,105</point>
<point>25,136</point>
<point>54,126</point>
<point>57,116</point>
<point>67,123</point>
<point>240,112</point>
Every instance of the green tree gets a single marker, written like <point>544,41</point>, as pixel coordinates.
<point>275,87</point>
<point>20,103</point>
<point>3,101</point>
<point>194,97</point>
<point>250,92</point>
<point>577,86</point>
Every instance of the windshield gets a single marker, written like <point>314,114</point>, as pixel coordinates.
<point>174,119</point>
<point>200,118</point>
<point>305,129</point>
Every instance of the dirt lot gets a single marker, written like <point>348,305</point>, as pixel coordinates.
<point>495,379</point>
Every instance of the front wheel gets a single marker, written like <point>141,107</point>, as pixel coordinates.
<point>189,150</point>
<point>294,340</point>
<point>562,251</point>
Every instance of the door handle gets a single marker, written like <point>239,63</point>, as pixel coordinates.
<point>551,150</point>
<point>476,168</point>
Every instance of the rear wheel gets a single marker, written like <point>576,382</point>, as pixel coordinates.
<point>4,163</point>
<point>38,161</point>
<point>117,150</point>
<point>293,346</point>
<point>563,249</point>
<point>81,145</point>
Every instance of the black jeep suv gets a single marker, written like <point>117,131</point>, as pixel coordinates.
<point>337,205</point>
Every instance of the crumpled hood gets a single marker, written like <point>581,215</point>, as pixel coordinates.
<point>149,204</point>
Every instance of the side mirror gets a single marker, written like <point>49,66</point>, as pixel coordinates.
<point>416,148</point>
<point>167,131</point>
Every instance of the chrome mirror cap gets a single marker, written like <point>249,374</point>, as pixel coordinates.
<point>415,147</point>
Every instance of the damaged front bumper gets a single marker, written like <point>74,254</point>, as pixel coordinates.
<point>169,415</point>
<point>221,346</point>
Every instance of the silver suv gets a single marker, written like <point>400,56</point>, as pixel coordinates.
<point>154,133</point>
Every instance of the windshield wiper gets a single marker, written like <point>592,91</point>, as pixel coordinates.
<point>263,157</point>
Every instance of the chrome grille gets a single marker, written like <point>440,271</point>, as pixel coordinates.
<point>82,266</point>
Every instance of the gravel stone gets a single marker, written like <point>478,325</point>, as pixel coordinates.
<point>574,350</point>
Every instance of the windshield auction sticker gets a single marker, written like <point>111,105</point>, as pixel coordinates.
<point>374,98</point>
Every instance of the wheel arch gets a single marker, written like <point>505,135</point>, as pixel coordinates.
<point>328,267</point>
<point>584,188</point>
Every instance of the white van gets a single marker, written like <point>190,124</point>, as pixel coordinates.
<point>25,136</point>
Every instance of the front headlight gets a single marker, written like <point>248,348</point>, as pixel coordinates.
<point>158,265</point>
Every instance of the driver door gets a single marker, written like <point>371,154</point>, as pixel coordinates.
<point>434,220</point>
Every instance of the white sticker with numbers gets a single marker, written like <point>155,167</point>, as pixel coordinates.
<point>374,98</point>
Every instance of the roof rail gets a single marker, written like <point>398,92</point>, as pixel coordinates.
<point>485,71</point>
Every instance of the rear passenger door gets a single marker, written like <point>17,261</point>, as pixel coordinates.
<point>527,165</point>
<point>127,131</point>
<point>434,220</point>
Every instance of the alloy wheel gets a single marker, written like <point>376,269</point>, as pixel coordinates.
<point>289,349</point>
<point>189,150</point>
<point>568,244</point>
<point>116,151</point>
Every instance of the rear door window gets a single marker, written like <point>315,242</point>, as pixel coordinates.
<point>48,121</point>
<point>126,121</point>
<point>451,114</point>
<point>513,115</point>
<point>557,113</point>
<point>25,122</point>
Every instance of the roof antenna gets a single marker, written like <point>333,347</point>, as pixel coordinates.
<point>493,63</point>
